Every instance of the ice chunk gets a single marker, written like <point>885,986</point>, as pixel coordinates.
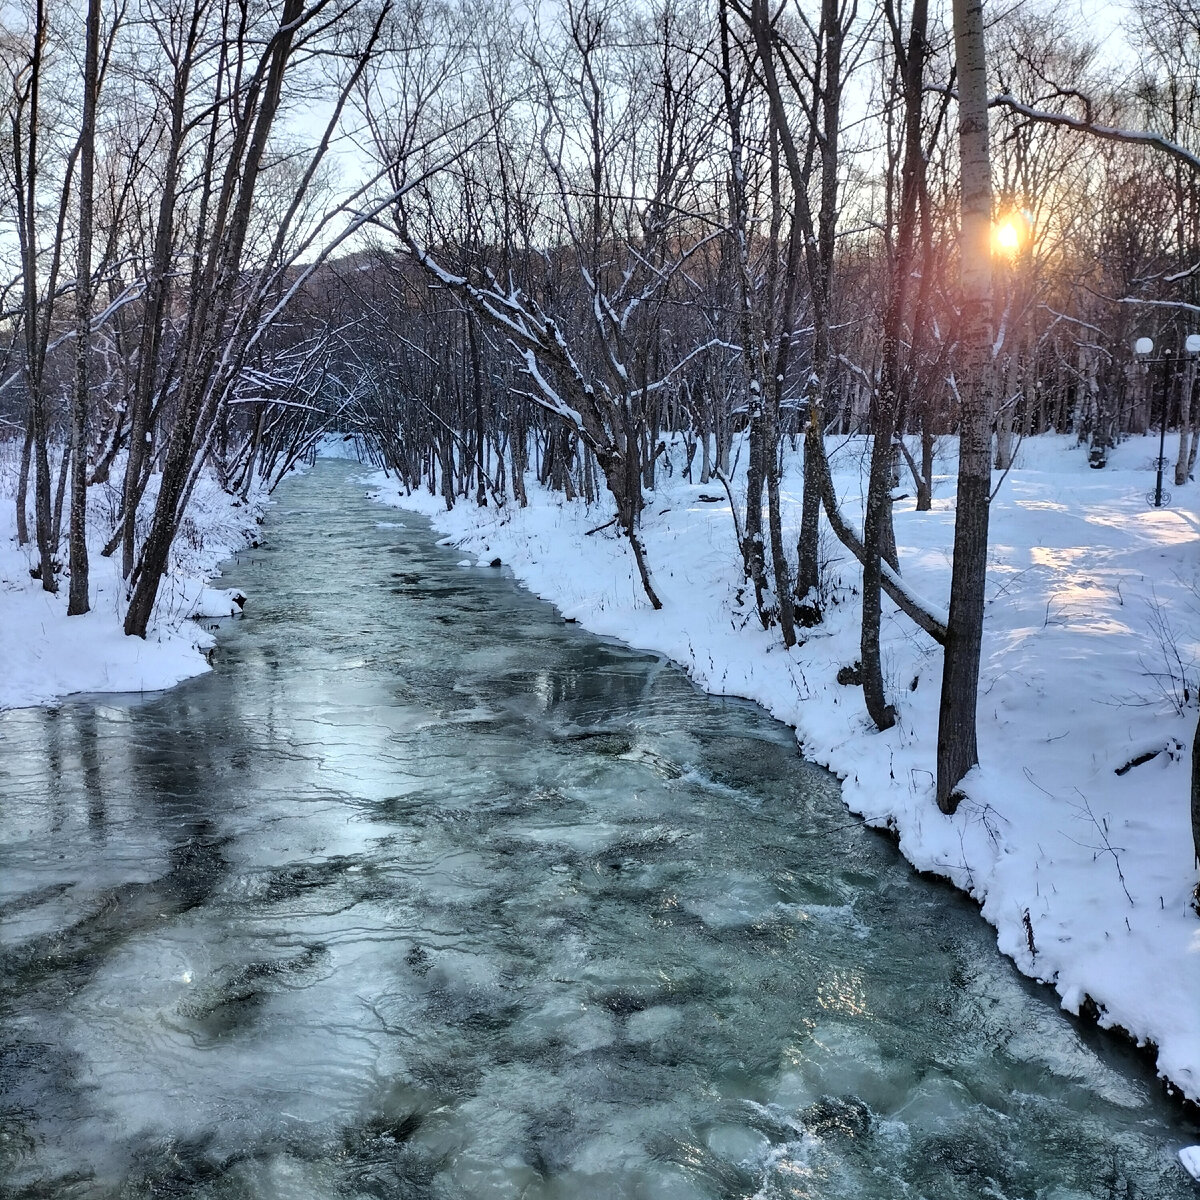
<point>738,1143</point>
<point>652,1023</point>
<point>734,899</point>
<point>1190,1157</point>
<point>219,602</point>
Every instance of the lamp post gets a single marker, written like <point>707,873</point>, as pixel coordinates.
<point>1143,348</point>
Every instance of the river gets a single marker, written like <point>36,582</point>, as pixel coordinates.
<point>424,892</point>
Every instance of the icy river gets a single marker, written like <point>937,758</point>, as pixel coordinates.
<point>423,892</point>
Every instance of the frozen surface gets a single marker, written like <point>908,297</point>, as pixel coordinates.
<point>425,893</point>
<point>1091,662</point>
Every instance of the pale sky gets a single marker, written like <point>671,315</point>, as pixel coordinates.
<point>1103,21</point>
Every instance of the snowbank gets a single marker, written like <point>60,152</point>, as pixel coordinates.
<point>342,445</point>
<point>1075,835</point>
<point>44,654</point>
<point>1190,1157</point>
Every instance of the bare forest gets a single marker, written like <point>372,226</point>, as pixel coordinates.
<point>500,246</point>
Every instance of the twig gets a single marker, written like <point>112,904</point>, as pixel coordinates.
<point>1106,847</point>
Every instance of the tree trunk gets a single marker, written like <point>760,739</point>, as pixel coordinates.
<point>199,390</point>
<point>60,491</point>
<point>761,451</point>
<point>518,448</point>
<point>23,488</point>
<point>1196,796</point>
<point>808,564</point>
<point>1006,417</point>
<point>957,750</point>
<point>77,596</point>
<point>925,488</point>
<point>817,234</point>
<point>137,460</point>
<point>246,481</point>
<point>477,400</point>
<point>1185,421</point>
<point>879,540</point>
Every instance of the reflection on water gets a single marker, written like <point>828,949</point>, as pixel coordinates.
<point>425,893</point>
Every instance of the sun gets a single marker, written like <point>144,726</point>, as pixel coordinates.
<point>1008,236</point>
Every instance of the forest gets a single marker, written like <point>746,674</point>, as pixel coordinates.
<point>843,354</point>
<point>495,243</point>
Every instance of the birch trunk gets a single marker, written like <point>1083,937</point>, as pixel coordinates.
<point>878,534</point>
<point>1187,388</point>
<point>958,750</point>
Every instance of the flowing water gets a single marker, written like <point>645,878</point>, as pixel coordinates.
<point>424,892</point>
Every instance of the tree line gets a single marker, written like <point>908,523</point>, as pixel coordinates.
<point>501,243</point>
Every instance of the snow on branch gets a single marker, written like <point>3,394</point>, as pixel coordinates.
<point>1181,305</point>
<point>131,293</point>
<point>711,344</point>
<point>534,336</point>
<point>548,397</point>
<point>1139,137</point>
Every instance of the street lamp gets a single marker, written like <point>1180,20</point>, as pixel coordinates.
<point>1143,348</point>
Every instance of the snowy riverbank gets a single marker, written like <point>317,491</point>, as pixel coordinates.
<point>1081,861</point>
<point>45,655</point>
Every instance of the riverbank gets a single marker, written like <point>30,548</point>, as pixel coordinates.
<point>45,655</point>
<point>424,884</point>
<point>1074,837</point>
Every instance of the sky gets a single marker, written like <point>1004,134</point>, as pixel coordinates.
<point>1104,21</point>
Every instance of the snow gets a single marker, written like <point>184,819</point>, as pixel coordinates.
<point>219,602</point>
<point>45,655</point>
<point>339,445</point>
<point>1190,1157</point>
<point>1091,660</point>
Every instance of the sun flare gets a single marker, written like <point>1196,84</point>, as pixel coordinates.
<point>1008,236</point>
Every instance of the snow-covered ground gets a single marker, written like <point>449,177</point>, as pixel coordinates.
<point>44,654</point>
<point>1082,862</point>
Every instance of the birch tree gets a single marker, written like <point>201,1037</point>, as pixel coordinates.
<point>957,748</point>
<point>878,540</point>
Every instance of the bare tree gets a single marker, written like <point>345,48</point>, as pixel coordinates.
<point>226,314</point>
<point>958,750</point>
<point>26,120</point>
<point>762,422</point>
<point>77,602</point>
<point>878,539</point>
<point>604,250</point>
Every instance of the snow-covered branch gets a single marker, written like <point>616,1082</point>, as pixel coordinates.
<point>1137,137</point>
